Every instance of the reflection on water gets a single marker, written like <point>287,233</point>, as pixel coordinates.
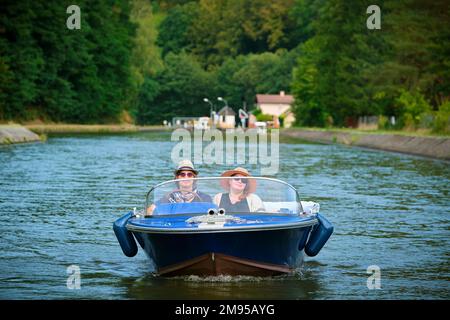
<point>59,199</point>
<point>289,287</point>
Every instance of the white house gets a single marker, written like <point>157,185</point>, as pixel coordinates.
<point>227,118</point>
<point>277,105</point>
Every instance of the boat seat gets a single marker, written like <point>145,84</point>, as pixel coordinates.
<point>180,208</point>
<point>281,206</point>
<point>291,206</point>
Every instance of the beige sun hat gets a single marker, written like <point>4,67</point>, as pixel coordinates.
<point>251,184</point>
<point>185,165</point>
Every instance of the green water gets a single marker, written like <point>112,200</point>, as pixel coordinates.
<point>58,201</point>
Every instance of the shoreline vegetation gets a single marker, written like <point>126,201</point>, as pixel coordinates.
<point>409,133</point>
<point>152,61</point>
<point>91,128</point>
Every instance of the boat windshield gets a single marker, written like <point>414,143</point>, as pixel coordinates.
<point>235,195</point>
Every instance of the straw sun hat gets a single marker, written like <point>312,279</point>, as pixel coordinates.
<point>185,165</point>
<point>251,183</point>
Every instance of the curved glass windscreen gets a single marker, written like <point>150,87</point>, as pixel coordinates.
<point>230,195</point>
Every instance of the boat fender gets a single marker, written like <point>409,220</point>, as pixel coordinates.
<point>125,237</point>
<point>303,239</point>
<point>319,236</point>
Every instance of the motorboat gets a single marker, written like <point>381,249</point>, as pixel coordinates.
<point>198,237</point>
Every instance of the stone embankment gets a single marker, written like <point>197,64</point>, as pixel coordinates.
<point>428,146</point>
<point>10,134</point>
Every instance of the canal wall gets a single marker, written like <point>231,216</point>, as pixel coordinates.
<point>434,147</point>
<point>10,134</point>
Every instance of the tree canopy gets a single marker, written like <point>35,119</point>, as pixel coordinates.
<point>159,59</point>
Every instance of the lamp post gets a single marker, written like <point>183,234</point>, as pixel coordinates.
<point>212,115</point>
<point>222,99</point>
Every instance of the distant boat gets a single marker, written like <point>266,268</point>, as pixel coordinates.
<point>198,238</point>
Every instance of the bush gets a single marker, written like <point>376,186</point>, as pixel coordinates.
<point>383,122</point>
<point>264,117</point>
<point>256,112</point>
<point>414,109</point>
<point>441,122</point>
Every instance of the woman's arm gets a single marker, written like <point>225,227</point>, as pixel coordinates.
<point>256,204</point>
<point>217,199</point>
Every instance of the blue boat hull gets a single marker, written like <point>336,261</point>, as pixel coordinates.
<point>256,244</point>
<point>262,252</point>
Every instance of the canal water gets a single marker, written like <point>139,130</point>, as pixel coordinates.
<point>58,201</point>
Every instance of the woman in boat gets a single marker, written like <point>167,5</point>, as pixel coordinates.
<point>240,197</point>
<point>187,189</point>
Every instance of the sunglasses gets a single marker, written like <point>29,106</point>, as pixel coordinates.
<point>186,174</point>
<point>243,180</point>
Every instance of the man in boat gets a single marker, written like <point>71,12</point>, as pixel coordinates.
<point>186,188</point>
<point>240,197</point>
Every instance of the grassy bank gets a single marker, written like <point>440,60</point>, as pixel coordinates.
<point>417,133</point>
<point>87,128</point>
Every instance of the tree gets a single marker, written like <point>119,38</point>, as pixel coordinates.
<point>145,60</point>
<point>60,74</point>
<point>331,79</point>
<point>21,60</point>
<point>307,109</point>
<point>241,78</point>
<point>226,28</point>
<point>414,56</point>
<point>180,89</point>
<point>174,30</point>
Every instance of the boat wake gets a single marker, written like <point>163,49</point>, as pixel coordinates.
<point>296,275</point>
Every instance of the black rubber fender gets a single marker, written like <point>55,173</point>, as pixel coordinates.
<point>319,236</point>
<point>125,237</point>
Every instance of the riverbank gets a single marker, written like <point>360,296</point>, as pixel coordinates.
<point>31,132</point>
<point>437,147</point>
<point>12,133</point>
<point>87,128</point>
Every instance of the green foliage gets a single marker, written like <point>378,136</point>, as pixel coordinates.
<point>177,91</point>
<point>330,79</point>
<point>241,78</point>
<point>174,30</point>
<point>256,112</point>
<point>147,95</point>
<point>264,117</point>
<point>21,60</point>
<point>308,111</point>
<point>145,60</point>
<point>304,13</point>
<point>414,108</point>
<point>159,59</point>
<point>383,122</point>
<point>61,74</point>
<point>441,122</point>
<point>227,29</point>
<point>415,52</point>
